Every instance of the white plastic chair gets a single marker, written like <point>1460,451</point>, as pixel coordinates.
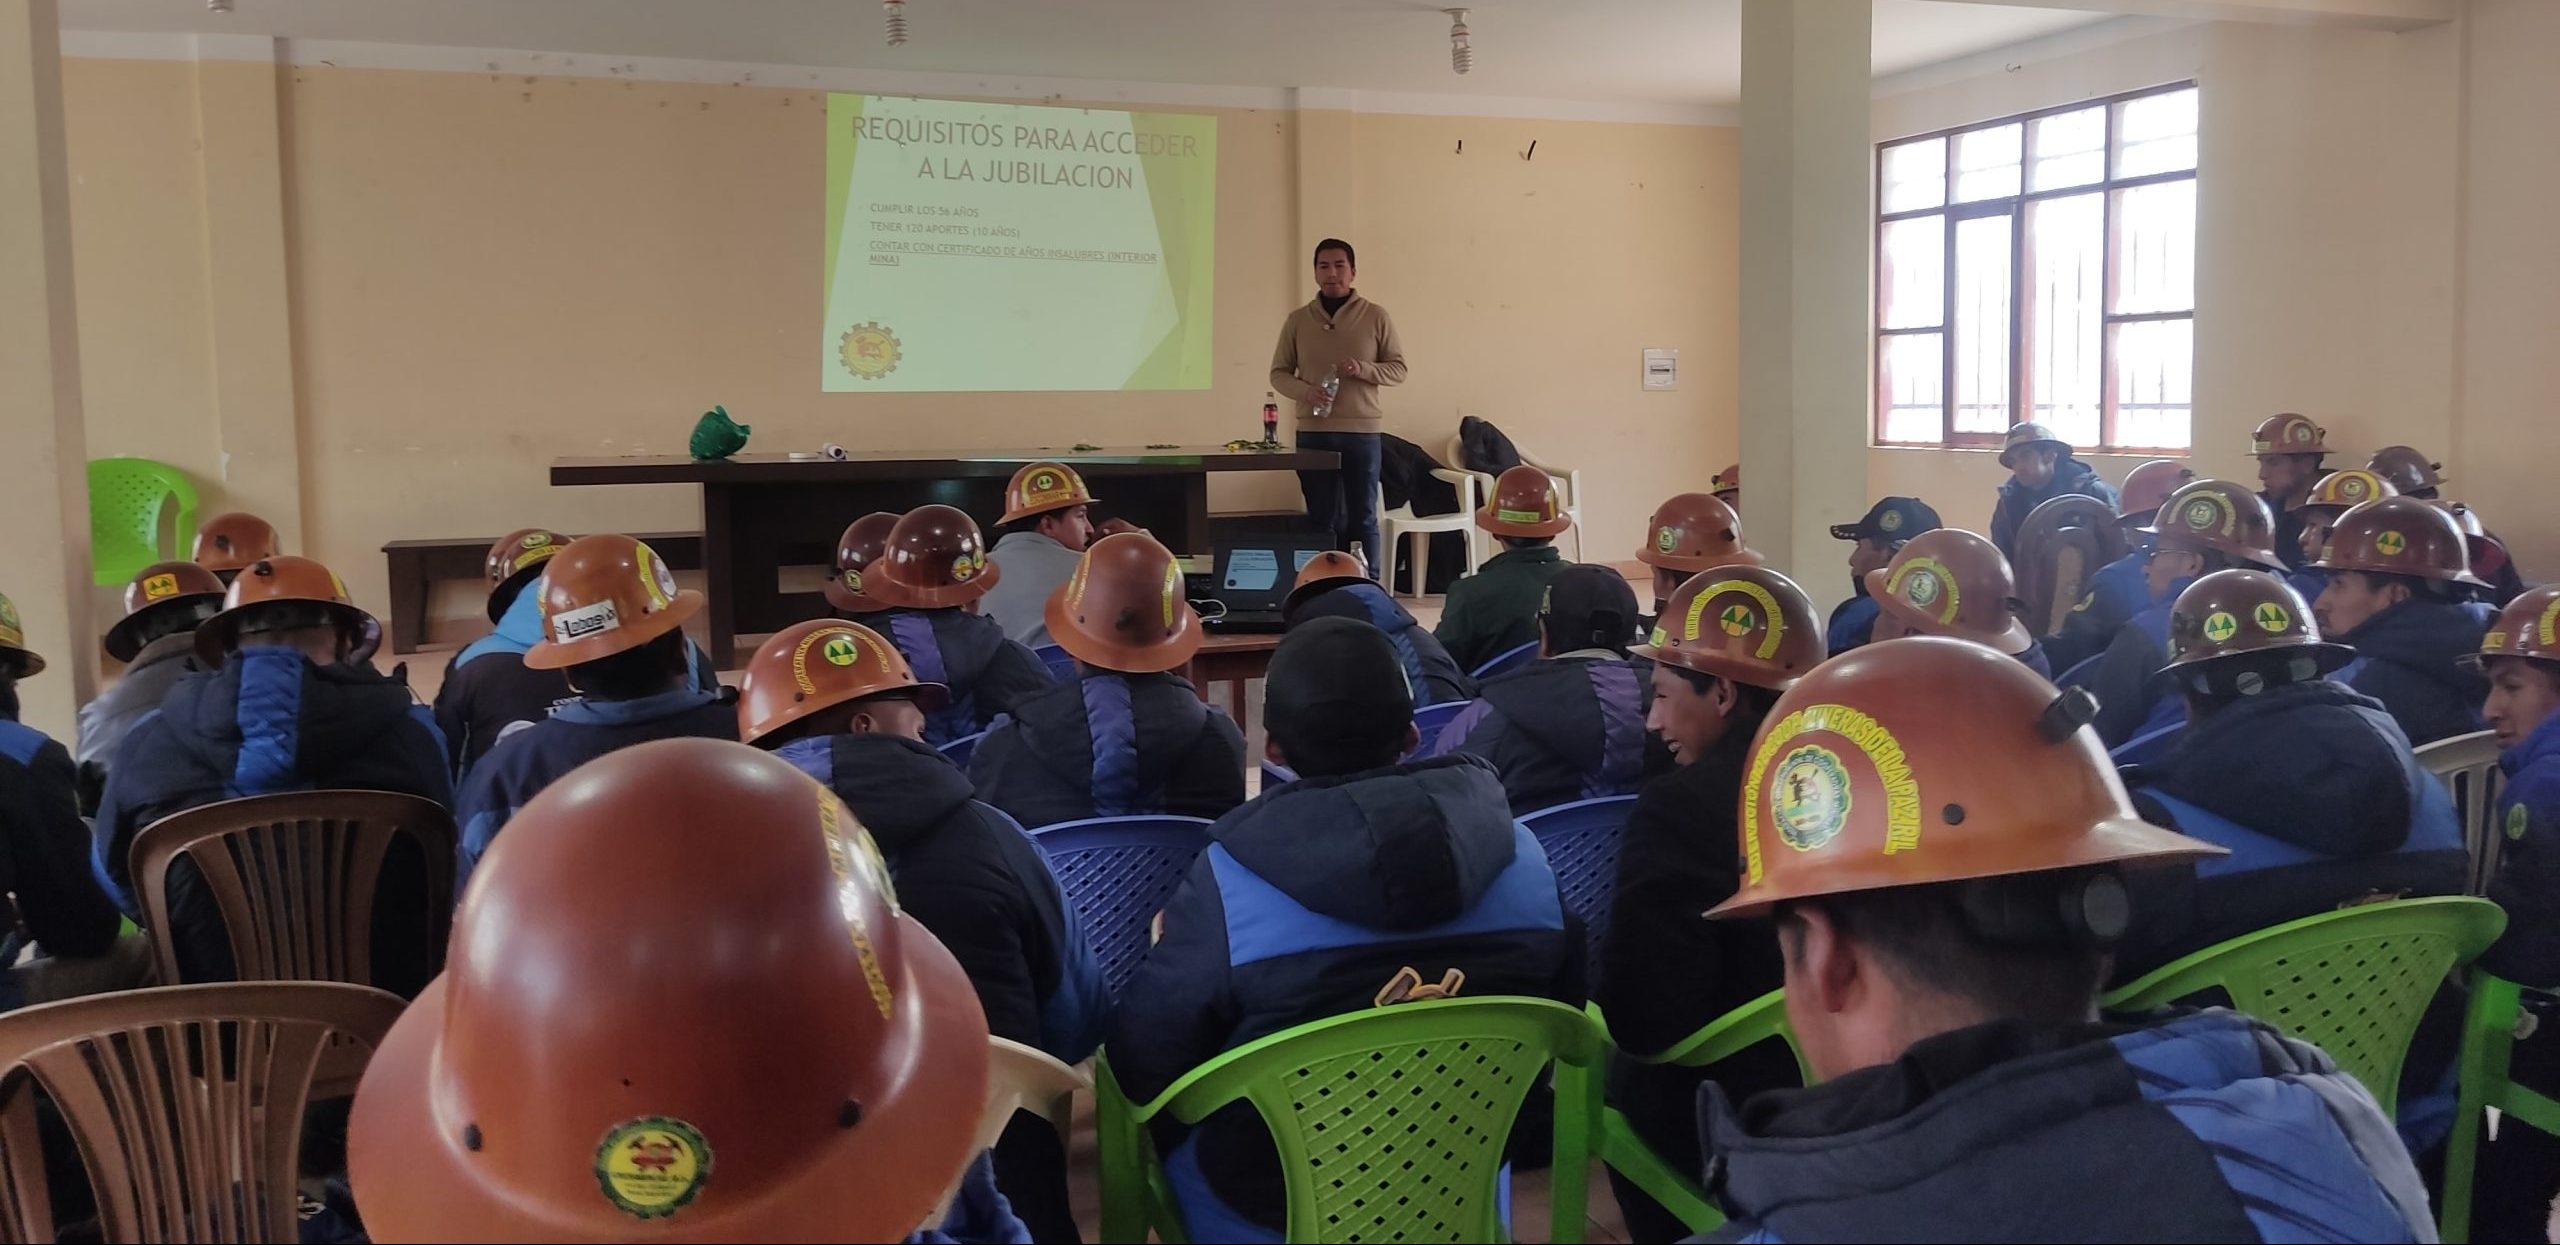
<point>2468,765</point>
<point>1394,525</point>
<point>1567,478</point>
<point>1020,1078</point>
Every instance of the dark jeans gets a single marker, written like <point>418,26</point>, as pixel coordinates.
<point>1344,502</point>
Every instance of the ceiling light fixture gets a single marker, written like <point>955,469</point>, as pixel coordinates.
<point>897,14</point>
<point>1462,56</point>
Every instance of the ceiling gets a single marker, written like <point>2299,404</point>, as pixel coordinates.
<point>1648,51</point>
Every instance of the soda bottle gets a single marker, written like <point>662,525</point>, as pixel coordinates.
<point>1270,416</point>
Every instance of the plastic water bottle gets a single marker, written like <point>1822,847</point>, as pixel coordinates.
<point>1332,389</point>
<point>1270,416</point>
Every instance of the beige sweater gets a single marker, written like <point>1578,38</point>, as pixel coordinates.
<point>1312,344</point>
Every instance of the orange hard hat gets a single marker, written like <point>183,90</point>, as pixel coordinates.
<point>814,666</point>
<point>2529,626</point>
<point>276,581</point>
<point>2488,553</point>
<point>639,1039</point>
<point>1921,760</point>
<point>514,559</point>
<point>1124,608</point>
<point>1744,622</point>
<point>2235,613</point>
<point>16,659</point>
<point>1692,532</point>
<point>2216,516</point>
<point>1949,582</point>
<point>2399,536</point>
<point>2408,470</point>
<point>934,557</point>
<point>1324,572</point>
<point>1726,481</point>
<point>231,541</point>
<point>603,595</point>
<point>2288,434</point>
<point>1525,502</point>
<point>856,550</point>
<point>2353,486</point>
<point>157,591</point>
<point>1042,487</point>
<point>2150,484</point>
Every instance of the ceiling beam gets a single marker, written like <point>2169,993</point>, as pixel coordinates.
<point>2362,14</point>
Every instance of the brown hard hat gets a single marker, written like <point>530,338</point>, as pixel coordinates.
<point>603,595</point>
<point>1726,481</point>
<point>2235,612</point>
<point>856,550</point>
<point>1042,487</point>
<point>1324,572</point>
<point>16,659</point>
<point>2353,486</point>
<point>2216,516</point>
<point>1525,502</point>
<point>514,559</point>
<point>276,580</point>
<point>2407,469</point>
<point>933,558</point>
<point>2288,434</point>
<point>1124,608</point>
<point>1692,532</point>
<point>1923,760</point>
<point>639,1039</point>
<point>1949,582</point>
<point>2529,626</point>
<point>1743,622</point>
<point>814,666</point>
<point>2150,484</point>
<point>156,591</point>
<point>2399,536</point>
<point>231,541</point>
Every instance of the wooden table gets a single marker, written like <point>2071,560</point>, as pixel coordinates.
<point>1233,660</point>
<point>762,512</point>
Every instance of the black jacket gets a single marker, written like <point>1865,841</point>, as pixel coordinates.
<point>2405,658</point>
<point>146,681</point>
<point>44,849</point>
<point>489,694</point>
<point>2017,501</point>
<point>1557,730</point>
<point>579,732</point>
<point>1160,751</point>
<point>988,674</point>
<point>1435,677</point>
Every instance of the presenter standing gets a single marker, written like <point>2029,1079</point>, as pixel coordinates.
<point>1346,339</point>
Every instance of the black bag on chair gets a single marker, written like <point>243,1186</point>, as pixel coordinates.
<point>1404,473</point>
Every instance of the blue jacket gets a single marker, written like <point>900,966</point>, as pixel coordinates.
<point>2321,802</point>
<point>1435,676</point>
<point>2116,593</point>
<point>1853,622</point>
<point>531,759</point>
<point>44,852</point>
<point>1111,745</point>
<point>1557,729</point>
<point>1306,904</point>
<point>2405,658</point>
<point>988,674</point>
<point>2017,501</point>
<point>488,688</point>
<point>271,721</point>
<point>2201,1126</point>
<point>2528,880</point>
<point>2134,698</point>
<point>2288,535</point>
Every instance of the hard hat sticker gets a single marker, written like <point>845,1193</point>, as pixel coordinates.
<point>2390,544</point>
<point>1517,516</point>
<point>1660,637</point>
<point>963,569</point>
<point>2273,618</point>
<point>2548,627</point>
<point>1172,591</point>
<point>2495,639</point>
<point>1890,521</point>
<point>1737,620</point>
<point>2204,512</point>
<point>841,650</point>
<point>1724,589</point>
<point>1798,793</point>
<point>1667,540</point>
<point>653,1166</point>
<point>584,621</point>
<point>2220,626</point>
<point>1928,584</point>
<point>1812,800</point>
<point>159,586</point>
<point>2517,820</point>
<point>852,581</point>
<point>655,576</point>
<point>533,556</point>
<point>844,860</point>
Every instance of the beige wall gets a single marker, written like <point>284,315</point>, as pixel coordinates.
<point>491,271</point>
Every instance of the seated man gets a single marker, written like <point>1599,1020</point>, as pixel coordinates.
<point>2398,572</point>
<point>1712,687</point>
<point>1130,735</point>
<point>230,543</point>
<point>838,702</point>
<point>44,851</point>
<point>857,548</point>
<point>156,641</point>
<point>2206,526</point>
<point>613,623</point>
<point>1945,887</point>
<point>2118,590</point>
<point>1570,725</point>
<point>1047,523</point>
<point>2311,786</point>
<point>2521,1167</point>
<point>1874,540</point>
<point>2292,452</point>
<point>1690,533</point>
<point>2041,468</point>
<point>488,688</point>
<point>1953,583</point>
<point>932,574</point>
<point>1320,897</point>
<point>1495,610</point>
<point>1334,584</point>
<point>2333,495</point>
<point>288,701</point>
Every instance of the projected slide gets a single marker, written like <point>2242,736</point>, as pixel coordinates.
<point>1014,246</point>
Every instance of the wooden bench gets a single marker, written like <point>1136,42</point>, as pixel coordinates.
<point>416,565</point>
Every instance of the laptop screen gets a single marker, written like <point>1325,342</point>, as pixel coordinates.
<point>1255,573</point>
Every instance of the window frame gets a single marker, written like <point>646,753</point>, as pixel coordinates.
<point>2014,207</point>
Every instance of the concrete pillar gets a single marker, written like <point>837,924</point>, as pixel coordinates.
<point>1805,227</point>
<point>44,487</point>
<point>241,143</point>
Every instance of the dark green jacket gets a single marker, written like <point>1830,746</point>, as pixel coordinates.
<point>1495,610</point>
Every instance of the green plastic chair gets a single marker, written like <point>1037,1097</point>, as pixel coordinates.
<point>1728,1035</point>
<point>1390,1123</point>
<point>2352,982</point>
<point>2488,1046</point>
<point>126,498</point>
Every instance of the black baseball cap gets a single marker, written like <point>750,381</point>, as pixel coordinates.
<point>1588,606</point>
<point>1894,518</point>
<point>1336,698</point>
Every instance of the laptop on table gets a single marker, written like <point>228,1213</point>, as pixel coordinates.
<point>1251,576</point>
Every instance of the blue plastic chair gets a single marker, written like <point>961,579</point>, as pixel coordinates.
<point>1061,667</point>
<point>1118,872</point>
<point>1274,774</point>
<point>1581,841</point>
<point>2080,673</point>
<point>963,748</point>
<point>2149,746</point>
<point>1429,720</point>
<point>1508,659</point>
<point>126,499</point>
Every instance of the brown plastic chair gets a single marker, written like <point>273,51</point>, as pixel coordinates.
<point>2061,545</point>
<point>185,1103</point>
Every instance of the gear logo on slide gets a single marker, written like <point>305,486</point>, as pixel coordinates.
<point>869,350</point>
